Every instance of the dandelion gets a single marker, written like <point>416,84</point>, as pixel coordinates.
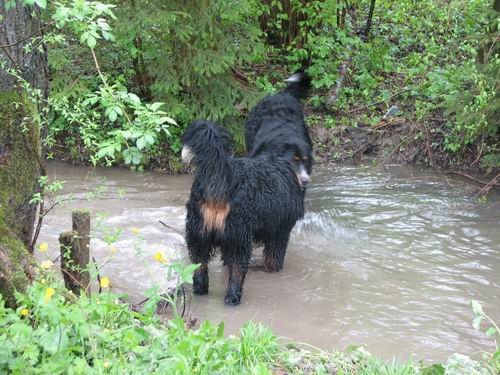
<point>104,282</point>
<point>49,293</point>
<point>113,249</point>
<point>135,231</point>
<point>43,247</point>
<point>25,312</point>
<point>46,264</point>
<point>159,257</point>
<point>106,364</point>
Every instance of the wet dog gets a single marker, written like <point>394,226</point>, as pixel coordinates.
<point>235,202</point>
<point>276,126</point>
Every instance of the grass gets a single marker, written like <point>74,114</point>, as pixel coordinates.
<point>52,331</point>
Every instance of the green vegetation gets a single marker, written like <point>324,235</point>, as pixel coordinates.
<point>127,77</point>
<point>53,331</point>
<point>436,60</point>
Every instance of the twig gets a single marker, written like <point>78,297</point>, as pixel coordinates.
<point>490,183</point>
<point>29,36</point>
<point>183,301</point>
<point>171,228</point>
<point>480,151</point>
<point>334,94</point>
<point>103,79</point>
<point>493,182</point>
<point>380,101</point>
<point>383,124</point>
<point>98,275</point>
<point>39,223</point>
<point>491,47</point>
<point>14,62</point>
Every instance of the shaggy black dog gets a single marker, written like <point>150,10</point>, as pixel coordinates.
<point>276,126</point>
<point>235,202</point>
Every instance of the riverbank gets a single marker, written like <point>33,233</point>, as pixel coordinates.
<point>52,331</point>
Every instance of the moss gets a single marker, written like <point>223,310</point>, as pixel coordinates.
<point>13,272</point>
<point>19,171</point>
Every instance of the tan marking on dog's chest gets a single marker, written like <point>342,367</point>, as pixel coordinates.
<point>214,215</point>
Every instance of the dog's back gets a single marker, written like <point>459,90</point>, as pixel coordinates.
<point>276,126</point>
<point>281,108</point>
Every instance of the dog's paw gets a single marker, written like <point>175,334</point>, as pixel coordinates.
<point>272,265</point>
<point>232,299</point>
<point>200,289</point>
<point>271,269</point>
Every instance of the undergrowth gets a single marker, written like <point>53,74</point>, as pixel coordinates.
<point>53,331</point>
<point>435,62</point>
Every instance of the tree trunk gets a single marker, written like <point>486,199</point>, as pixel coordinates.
<point>20,147</point>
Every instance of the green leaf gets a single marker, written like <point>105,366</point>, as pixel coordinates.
<point>108,36</point>
<point>476,323</point>
<point>155,106</point>
<point>54,340</point>
<point>220,330</point>
<point>149,139</point>
<point>141,143</point>
<point>41,3</point>
<point>136,158</point>
<point>433,370</point>
<point>91,41</point>
<point>161,120</point>
<point>112,115</point>
<point>477,308</point>
<point>491,331</point>
<point>118,110</point>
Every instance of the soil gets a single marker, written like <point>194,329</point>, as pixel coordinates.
<point>394,141</point>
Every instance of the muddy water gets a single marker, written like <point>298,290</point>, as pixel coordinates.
<point>387,258</point>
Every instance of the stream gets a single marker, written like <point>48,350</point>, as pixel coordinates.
<point>388,258</point>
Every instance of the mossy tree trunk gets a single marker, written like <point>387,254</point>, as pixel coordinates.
<point>20,148</point>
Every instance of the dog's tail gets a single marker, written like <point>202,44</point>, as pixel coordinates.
<point>299,84</point>
<point>209,145</point>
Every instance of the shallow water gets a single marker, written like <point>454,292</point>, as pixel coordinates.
<point>386,258</point>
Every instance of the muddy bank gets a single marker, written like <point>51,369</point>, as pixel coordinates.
<point>394,141</point>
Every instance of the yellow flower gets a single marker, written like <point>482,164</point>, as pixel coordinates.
<point>113,249</point>
<point>25,312</point>
<point>49,292</point>
<point>46,264</point>
<point>43,281</point>
<point>43,247</point>
<point>135,231</point>
<point>104,282</point>
<point>106,364</point>
<point>159,257</point>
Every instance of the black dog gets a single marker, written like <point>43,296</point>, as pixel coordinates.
<point>276,126</point>
<point>235,202</point>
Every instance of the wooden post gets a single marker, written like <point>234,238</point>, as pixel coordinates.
<point>75,253</point>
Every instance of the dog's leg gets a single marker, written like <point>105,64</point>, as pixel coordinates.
<point>200,254</point>
<point>274,253</point>
<point>237,267</point>
<point>200,279</point>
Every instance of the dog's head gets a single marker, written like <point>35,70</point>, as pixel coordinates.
<point>299,154</point>
<point>296,150</point>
